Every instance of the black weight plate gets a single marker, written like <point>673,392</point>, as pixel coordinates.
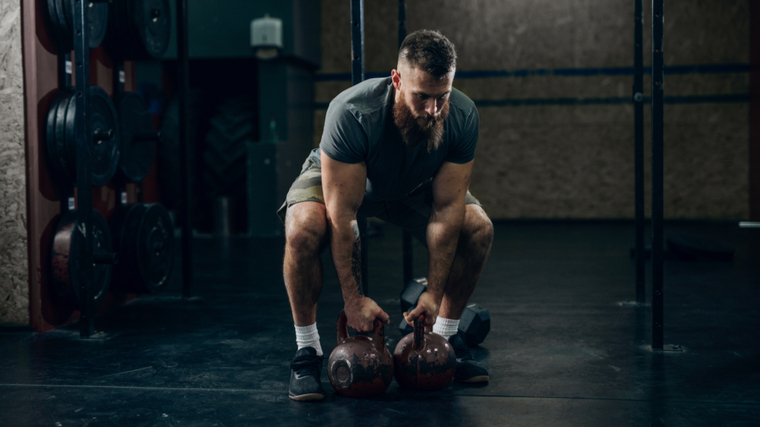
<point>104,154</point>
<point>60,132</point>
<point>50,149</point>
<point>116,222</point>
<point>145,247</point>
<point>69,140</point>
<point>56,143</point>
<point>155,247</point>
<point>67,10</point>
<point>97,20</point>
<point>65,263</point>
<point>154,24</point>
<point>136,155</point>
<point>67,34</point>
<point>55,26</point>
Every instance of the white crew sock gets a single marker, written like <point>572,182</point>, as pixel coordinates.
<point>446,327</point>
<point>307,336</point>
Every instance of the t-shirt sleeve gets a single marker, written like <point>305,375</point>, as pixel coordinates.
<point>343,138</point>
<point>463,149</point>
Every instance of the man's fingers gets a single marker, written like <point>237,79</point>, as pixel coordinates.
<point>383,316</point>
<point>412,316</point>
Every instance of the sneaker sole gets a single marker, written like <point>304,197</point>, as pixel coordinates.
<point>307,397</point>
<point>473,380</point>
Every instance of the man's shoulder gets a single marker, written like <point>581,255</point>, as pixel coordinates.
<point>365,98</point>
<point>461,102</point>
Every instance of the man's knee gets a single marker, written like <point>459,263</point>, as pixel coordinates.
<point>306,228</point>
<point>477,230</point>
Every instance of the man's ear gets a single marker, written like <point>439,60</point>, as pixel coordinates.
<point>396,79</point>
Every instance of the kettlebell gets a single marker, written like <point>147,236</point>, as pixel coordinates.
<point>423,360</point>
<point>360,366</point>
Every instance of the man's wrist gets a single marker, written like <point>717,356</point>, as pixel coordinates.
<point>352,299</point>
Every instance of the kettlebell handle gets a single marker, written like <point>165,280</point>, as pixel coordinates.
<point>419,332</point>
<point>378,336</point>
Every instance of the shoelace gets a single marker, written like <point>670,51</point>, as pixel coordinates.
<point>306,365</point>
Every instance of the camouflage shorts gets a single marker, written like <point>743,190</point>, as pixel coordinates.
<point>411,213</point>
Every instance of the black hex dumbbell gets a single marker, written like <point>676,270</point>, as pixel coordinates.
<point>474,324</point>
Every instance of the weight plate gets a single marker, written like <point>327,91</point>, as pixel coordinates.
<point>67,145</point>
<point>57,107</point>
<point>97,21</point>
<point>145,246</point>
<point>55,26</point>
<point>153,19</point>
<point>67,32</point>
<point>65,263</point>
<point>135,122</point>
<point>155,246</point>
<point>60,134</point>
<point>104,154</point>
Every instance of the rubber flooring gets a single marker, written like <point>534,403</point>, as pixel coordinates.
<point>565,347</point>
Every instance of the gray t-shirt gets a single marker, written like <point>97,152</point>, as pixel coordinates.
<point>359,128</point>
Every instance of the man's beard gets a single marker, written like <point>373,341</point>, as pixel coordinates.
<point>422,129</point>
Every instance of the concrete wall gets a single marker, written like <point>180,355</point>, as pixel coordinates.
<point>14,274</point>
<point>553,79</point>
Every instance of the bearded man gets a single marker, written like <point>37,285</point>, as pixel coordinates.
<point>399,148</point>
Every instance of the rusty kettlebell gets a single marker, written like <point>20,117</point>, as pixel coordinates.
<point>360,366</point>
<point>423,360</point>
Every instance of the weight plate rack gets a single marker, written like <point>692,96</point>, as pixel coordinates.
<point>91,141</point>
<point>82,150</point>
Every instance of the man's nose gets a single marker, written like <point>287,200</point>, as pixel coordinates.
<point>431,106</point>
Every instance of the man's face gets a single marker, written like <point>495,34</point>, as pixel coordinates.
<point>421,105</point>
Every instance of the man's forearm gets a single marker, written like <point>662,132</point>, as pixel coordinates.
<point>442,238</point>
<point>345,245</point>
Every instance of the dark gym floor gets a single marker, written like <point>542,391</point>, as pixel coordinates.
<point>562,350</point>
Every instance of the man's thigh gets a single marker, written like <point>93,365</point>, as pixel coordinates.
<point>306,188</point>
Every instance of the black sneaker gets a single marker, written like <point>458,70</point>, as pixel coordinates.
<point>467,370</point>
<point>306,368</point>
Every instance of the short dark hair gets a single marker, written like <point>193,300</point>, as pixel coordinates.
<point>429,51</point>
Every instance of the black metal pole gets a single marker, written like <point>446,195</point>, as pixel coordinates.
<point>357,41</point>
<point>357,76</point>
<point>84,185</point>
<point>408,242</point>
<point>185,149</point>
<point>638,112</point>
<point>658,76</point>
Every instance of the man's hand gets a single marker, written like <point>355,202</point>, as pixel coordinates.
<point>362,312</point>
<point>427,305</point>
